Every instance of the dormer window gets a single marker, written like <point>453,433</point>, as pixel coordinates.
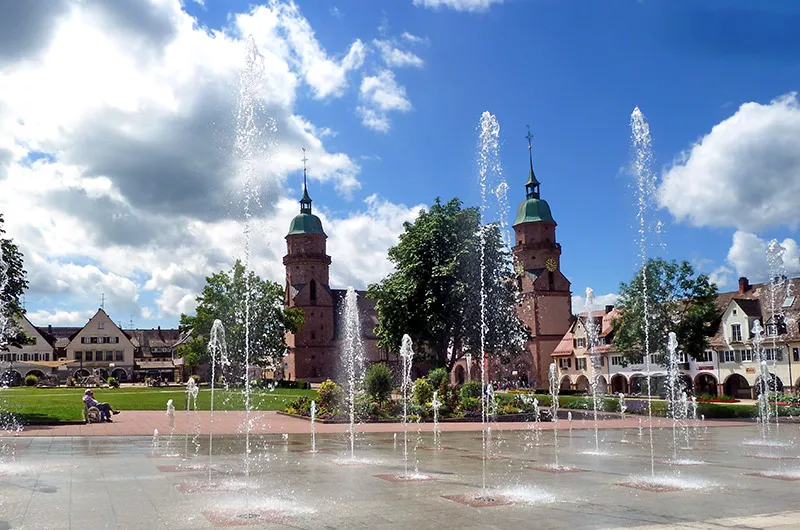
<point>736,333</point>
<point>772,330</point>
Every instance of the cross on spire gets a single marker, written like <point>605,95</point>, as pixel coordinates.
<point>532,186</point>
<point>305,202</point>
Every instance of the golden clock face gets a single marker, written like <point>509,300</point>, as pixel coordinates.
<point>551,265</point>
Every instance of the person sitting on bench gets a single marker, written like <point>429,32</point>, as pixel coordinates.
<point>104,408</point>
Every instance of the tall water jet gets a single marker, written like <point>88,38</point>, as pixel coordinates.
<point>313,426</point>
<point>192,390</point>
<point>353,356</point>
<point>251,124</point>
<point>673,379</point>
<point>592,334</point>
<point>646,189</point>
<point>554,386</point>
<point>218,351</point>
<point>437,435</point>
<point>170,422</point>
<point>777,283</point>
<point>407,357</point>
<point>622,406</point>
<point>763,379</point>
<point>488,165</point>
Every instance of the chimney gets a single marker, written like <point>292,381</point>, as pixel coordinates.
<point>744,285</point>
<point>609,308</point>
<point>50,329</point>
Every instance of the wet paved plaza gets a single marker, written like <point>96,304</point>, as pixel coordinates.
<point>83,482</point>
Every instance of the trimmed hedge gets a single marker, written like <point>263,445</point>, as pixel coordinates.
<point>300,385</point>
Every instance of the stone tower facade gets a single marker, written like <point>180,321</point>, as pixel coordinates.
<point>312,353</point>
<point>546,304</point>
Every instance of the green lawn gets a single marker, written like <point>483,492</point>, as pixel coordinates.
<point>64,404</point>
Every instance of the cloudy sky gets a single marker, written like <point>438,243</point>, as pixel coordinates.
<point>119,177</point>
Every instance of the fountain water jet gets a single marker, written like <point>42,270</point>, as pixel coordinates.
<point>592,333</point>
<point>353,356</point>
<point>407,356</point>
<point>437,435</point>
<point>313,426</point>
<point>554,386</point>
<point>646,189</point>
<point>218,351</point>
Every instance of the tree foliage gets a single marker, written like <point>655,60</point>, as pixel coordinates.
<point>434,294</point>
<point>677,300</point>
<point>13,283</point>
<point>378,382</point>
<point>224,297</point>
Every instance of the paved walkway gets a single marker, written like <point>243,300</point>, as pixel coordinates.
<point>143,423</point>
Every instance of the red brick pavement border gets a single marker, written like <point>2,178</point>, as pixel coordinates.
<point>143,423</point>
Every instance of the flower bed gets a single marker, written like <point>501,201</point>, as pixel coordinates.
<point>717,400</point>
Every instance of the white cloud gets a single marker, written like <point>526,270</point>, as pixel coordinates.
<point>748,257</point>
<point>600,301</point>
<point>380,95</point>
<point>745,173</point>
<point>139,193</point>
<point>414,39</point>
<point>395,57</point>
<point>43,317</point>
<point>458,5</point>
<point>360,241</point>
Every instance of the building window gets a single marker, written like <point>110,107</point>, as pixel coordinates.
<point>653,358</point>
<point>563,363</point>
<point>729,356</point>
<point>616,360</point>
<point>119,356</point>
<point>551,280</point>
<point>109,356</point>
<point>736,333</point>
<point>601,341</point>
<point>101,325</point>
<point>313,291</point>
<point>706,357</point>
<point>25,357</point>
<point>313,335</point>
<point>92,340</point>
<point>78,355</point>
<point>747,356</point>
<point>89,356</point>
<point>796,354</point>
<point>772,330</point>
<point>580,342</point>
<point>46,356</point>
<point>580,364</point>
<point>115,341</point>
<point>106,340</point>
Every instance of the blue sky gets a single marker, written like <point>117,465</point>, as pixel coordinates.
<point>574,71</point>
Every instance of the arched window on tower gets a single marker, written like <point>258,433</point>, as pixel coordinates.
<point>551,280</point>
<point>313,292</point>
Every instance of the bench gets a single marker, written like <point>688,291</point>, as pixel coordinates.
<point>91,414</point>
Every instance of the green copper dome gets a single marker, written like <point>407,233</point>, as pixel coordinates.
<point>306,223</point>
<point>533,210</point>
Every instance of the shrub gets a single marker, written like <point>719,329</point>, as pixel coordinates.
<point>471,389</point>
<point>470,404</point>
<point>31,380</point>
<point>378,382</point>
<point>437,377</point>
<point>331,395</point>
<point>423,393</point>
<point>70,381</point>
<point>302,385</point>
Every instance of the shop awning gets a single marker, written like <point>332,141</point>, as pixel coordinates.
<point>155,365</point>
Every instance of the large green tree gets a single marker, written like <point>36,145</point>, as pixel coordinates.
<point>224,297</point>
<point>13,283</point>
<point>677,300</point>
<point>434,294</point>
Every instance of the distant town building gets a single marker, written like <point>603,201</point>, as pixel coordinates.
<point>727,367</point>
<point>98,348</point>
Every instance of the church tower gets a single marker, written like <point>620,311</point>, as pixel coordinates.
<point>546,305</point>
<point>311,351</point>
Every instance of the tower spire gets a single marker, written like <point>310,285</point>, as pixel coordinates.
<point>305,202</point>
<point>532,185</point>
